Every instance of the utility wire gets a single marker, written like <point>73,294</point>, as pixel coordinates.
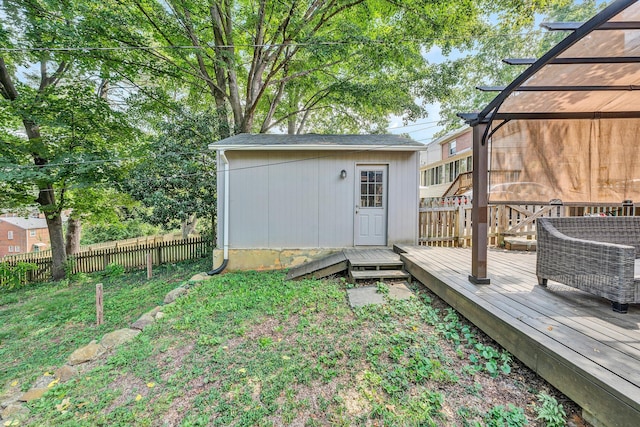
<point>251,45</point>
<point>6,168</point>
<point>173,176</point>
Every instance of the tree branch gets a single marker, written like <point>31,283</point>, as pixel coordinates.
<point>8,89</point>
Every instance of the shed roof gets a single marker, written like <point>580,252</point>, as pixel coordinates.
<point>26,223</point>
<point>312,141</point>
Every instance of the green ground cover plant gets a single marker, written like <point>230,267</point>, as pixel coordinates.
<point>250,349</point>
<point>42,323</point>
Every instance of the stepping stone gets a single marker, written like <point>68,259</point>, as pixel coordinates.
<point>359,297</point>
<point>399,291</point>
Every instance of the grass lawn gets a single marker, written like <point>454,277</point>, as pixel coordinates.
<point>251,349</point>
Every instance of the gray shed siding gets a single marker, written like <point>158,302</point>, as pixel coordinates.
<point>297,200</point>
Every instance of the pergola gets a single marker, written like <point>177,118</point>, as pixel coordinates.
<point>571,121</point>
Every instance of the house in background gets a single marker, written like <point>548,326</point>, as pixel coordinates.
<point>446,165</point>
<point>21,235</point>
<point>284,199</point>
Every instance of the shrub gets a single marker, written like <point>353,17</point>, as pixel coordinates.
<point>15,276</point>
<point>114,270</point>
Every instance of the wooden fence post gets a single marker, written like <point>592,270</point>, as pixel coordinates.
<point>149,265</point>
<point>99,305</point>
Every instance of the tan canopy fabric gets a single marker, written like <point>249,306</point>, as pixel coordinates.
<point>575,161</point>
<point>568,127</point>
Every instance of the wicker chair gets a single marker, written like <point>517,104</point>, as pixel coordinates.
<point>594,254</point>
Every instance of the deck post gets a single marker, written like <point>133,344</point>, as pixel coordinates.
<point>479,208</point>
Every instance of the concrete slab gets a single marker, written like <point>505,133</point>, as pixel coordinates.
<point>359,297</point>
<point>399,291</point>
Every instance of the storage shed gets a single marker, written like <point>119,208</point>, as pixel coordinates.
<point>284,199</point>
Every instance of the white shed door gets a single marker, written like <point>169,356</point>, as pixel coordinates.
<point>371,205</point>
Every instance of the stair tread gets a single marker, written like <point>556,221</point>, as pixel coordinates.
<point>379,274</point>
<point>374,263</point>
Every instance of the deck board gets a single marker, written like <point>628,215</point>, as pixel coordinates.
<point>572,339</point>
<point>332,264</point>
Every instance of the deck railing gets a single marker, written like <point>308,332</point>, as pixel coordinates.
<point>447,221</point>
<point>129,257</point>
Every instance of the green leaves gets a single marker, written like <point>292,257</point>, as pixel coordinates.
<point>177,176</point>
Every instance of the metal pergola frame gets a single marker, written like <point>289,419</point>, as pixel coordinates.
<point>482,122</point>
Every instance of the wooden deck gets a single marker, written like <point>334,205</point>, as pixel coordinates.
<point>572,339</point>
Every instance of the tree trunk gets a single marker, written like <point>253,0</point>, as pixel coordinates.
<point>47,201</point>
<point>189,226</point>
<point>74,228</point>
<point>58,250</point>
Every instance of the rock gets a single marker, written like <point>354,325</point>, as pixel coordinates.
<point>199,277</point>
<point>144,321</point>
<point>155,311</point>
<point>43,381</point>
<point>33,394</point>
<point>10,396</point>
<point>174,295</point>
<point>14,410</point>
<point>121,336</point>
<point>65,373</point>
<point>86,353</point>
<point>159,315</point>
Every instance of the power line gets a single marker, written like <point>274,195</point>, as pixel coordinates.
<point>174,176</point>
<point>256,45</point>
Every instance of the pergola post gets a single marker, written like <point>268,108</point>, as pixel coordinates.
<point>479,210</point>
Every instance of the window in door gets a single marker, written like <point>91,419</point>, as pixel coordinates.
<point>371,189</point>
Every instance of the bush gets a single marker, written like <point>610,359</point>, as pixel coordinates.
<point>114,270</point>
<point>121,230</point>
<point>15,276</point>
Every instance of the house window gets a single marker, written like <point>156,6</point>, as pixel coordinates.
<point>452,148</point>
<point>17,249</point>
<point>32,233</point>
<point>469,163</point>
<point>10,248</point>
<point>453,170</point>
<point>10,235</point>
<point>439,174</point>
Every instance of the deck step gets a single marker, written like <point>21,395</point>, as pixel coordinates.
<point>519,244</point>
<point>373,264</point>
<point>378,274</point>
<point>332,264</point>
